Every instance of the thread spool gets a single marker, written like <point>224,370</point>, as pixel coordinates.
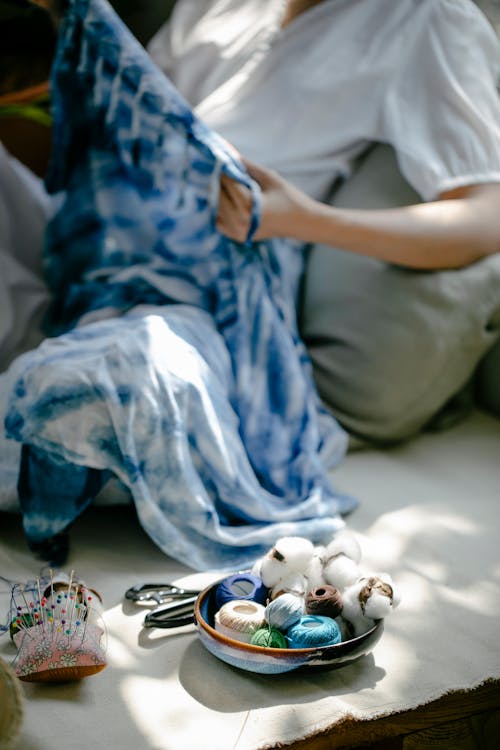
<point>239,619</point>
<point>313,631</point>
<point>324,600</point>
<point>268,638</point>
<point>285,611</point>
<point>241,586</point>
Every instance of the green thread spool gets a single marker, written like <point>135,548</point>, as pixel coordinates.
<point>268,638</point>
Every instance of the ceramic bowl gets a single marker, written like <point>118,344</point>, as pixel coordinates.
<point>276,660</point>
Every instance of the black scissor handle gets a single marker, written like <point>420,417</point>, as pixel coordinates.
<point>172,615</point>
<point>170,622</point>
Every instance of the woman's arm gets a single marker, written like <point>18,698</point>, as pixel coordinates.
<point>459,228</point>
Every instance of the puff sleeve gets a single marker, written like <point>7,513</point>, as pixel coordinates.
<point>441,111</point>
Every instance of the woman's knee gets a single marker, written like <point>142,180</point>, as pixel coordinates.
<point>390,347</point>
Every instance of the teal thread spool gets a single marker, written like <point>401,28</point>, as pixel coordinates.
<point>313,631</point>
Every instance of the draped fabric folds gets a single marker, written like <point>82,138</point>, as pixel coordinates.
<point>173,360</point>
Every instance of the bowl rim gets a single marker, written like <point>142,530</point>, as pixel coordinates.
<point>266,650</point>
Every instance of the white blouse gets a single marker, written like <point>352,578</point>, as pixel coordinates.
<point>305,100</point>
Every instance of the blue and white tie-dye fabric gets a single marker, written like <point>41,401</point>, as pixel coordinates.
<point>174,360</point>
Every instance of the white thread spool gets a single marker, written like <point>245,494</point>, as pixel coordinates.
<point>239,619</point>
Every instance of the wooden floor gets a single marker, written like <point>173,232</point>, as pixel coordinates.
<point>459,721</point>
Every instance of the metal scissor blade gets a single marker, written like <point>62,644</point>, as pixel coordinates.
<point>157,592</point>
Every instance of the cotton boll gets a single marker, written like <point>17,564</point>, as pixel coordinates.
<point>341,572</point>
<point>396,593</point>
<point>352,613</point>
<point>256,568</point>
<point>289,554</point>
<point>314,571</point>
<point>294,583</point>
<point>271,570</point>
<point>295,551</point>
<point>346,544</point>
<point>378,606</point>
<point>341,561</point>
<point>384,596</point>
<point>368,599</point>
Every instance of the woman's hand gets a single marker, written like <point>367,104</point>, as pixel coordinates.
<point>53,7</point>
<point>281,207</point>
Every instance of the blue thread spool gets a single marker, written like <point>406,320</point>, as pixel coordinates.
<point>313,631</point>
<point>243,586</point>
<point>284,611</point>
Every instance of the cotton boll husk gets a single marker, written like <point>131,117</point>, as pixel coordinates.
<point>289,554</point>
<point>352,612</point>
<point>384,598</point>
<point>294,583</point>
<point>341,572</point>
<point>396,593</point>
<point>377,596</point>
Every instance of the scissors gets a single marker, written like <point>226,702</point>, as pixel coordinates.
<point>177,604</point>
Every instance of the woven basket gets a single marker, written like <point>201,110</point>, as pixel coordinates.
<point>11,707</point>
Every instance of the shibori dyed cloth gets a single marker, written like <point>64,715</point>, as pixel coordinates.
<point>174,361</point>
